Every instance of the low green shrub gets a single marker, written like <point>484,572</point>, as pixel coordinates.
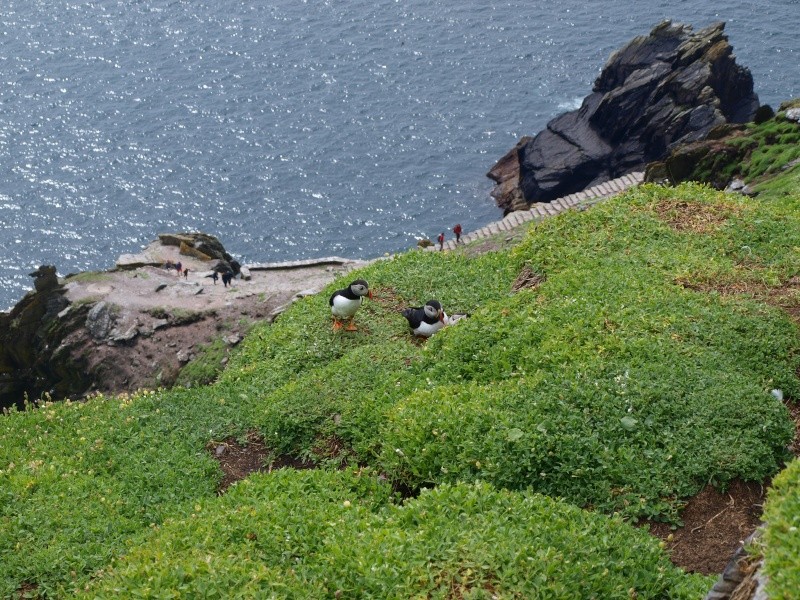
<point>781,543</point>
<point>631,375</point>
<point>79,480</point>
<point>610,437</point>
<point>345,399</point>
<point>331,535</point>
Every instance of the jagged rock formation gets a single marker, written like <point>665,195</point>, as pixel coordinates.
<point>670,87</point>
<point>30,338</point>
<point>719,159</point>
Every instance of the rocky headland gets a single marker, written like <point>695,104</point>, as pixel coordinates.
<point>662,90</point>
<point>139,324</point>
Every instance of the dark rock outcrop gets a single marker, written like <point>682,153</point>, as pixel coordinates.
<point>668,88</point>
<point>201,246</point>
<point>30,343</point>
<point>725,158</point>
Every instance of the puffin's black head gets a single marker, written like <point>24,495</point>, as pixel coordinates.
<point>360,288</point>
<point>433,309</point>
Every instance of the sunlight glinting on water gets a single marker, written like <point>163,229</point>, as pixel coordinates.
<point>295,129</point>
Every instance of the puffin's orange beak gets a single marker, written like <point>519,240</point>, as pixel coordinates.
<point>369,294</point>
<point>441,316</point>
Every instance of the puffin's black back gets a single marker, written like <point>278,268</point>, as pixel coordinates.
<point>346,293</point>
<point>414,316</point>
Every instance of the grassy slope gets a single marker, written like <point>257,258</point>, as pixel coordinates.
<point>780,544</point>
<point>617,384</point>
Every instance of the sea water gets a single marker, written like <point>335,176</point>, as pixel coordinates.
<point>293,129</point>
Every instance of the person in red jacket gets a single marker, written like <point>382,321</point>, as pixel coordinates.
<point>441,241</point>
<point>457,230</point>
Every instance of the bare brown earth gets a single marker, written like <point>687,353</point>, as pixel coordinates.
<point>715,524</point>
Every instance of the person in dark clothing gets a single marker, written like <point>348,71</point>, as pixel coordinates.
<point>214,276</point>
<point>186,273</point>
<point>227,277</point>
<point>441,241</point>
<point>457,230</point>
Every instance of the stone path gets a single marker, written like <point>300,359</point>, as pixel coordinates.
<point>542,210</point>
<point>309,262</point>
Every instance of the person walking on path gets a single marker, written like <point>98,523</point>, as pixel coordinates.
<point>441,241</point>
<point>457,230</point>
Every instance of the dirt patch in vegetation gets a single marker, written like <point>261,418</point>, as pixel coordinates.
<point>527,278</point>
<point>715,524</point>
<point>332,448</point>
<point>389,299</point>
<point>696,218</point>
<point>785,296</point>
<point>465,584</point>
<point>238,460</point>
<point>28,590</point>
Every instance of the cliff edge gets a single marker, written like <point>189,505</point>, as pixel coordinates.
<point>139,324</point>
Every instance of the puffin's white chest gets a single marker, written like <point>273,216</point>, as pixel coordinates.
<point>344,307</point>
<point>428,329</point>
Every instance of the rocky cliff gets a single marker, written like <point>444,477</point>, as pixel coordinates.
<point>29,337</point>
<point>142,323</point>
<point>736,157</point>
<point>668,88</point>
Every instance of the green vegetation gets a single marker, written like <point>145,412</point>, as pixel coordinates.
<point>326,535</point>
<point>781,538</point>
<point>508,456</point>
<point>758,151</point>
<point>206,366</point>
<point>89,276</point>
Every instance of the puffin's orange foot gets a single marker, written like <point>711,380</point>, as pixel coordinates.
<point>351,327</point>
<point>337,325</point>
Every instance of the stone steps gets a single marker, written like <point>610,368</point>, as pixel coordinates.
<point>543,210</point>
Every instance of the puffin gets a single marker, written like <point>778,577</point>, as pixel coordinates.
<point>344,303</point>
<point>425,320</point>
